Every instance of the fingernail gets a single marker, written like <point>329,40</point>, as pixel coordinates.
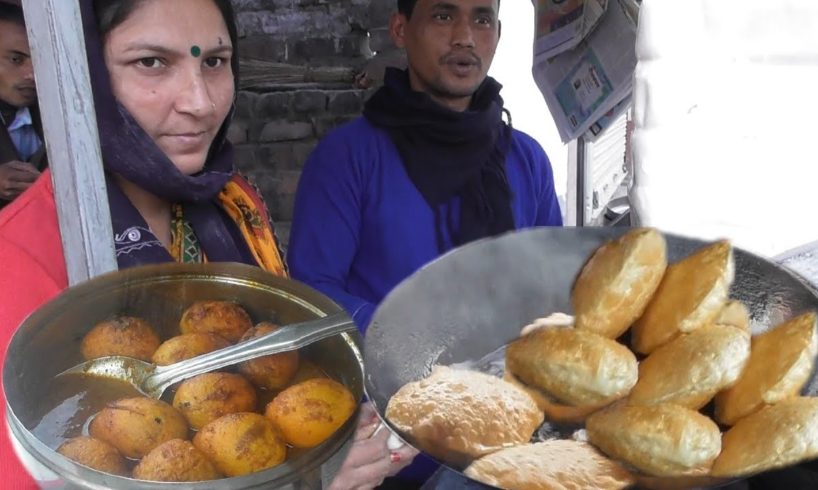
<point>395,457</point>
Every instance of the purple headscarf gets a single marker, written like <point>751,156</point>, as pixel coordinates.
<point>128,151</point>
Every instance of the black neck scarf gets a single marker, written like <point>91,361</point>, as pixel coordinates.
<point>129,152</point>
<point>451,154</point>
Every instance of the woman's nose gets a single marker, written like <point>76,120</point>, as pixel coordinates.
<point>194,97</point>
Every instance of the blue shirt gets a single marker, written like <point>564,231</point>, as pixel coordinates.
<point>23,135</point>
<point>360,226</point>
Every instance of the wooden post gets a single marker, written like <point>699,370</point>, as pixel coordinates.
<point>70,124</point>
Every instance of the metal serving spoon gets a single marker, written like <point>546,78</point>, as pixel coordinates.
<point>153,380</point>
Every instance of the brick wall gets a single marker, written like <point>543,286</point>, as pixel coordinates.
<point>329,55</point>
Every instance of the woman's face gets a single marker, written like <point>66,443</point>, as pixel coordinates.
<point>170,68</point>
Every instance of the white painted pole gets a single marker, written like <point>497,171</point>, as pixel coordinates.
<point>69,121</point>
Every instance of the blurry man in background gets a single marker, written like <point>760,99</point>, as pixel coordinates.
<point>22,153</point>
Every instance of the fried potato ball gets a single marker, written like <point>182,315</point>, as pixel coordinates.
<point>242,443</point>
<point>95,454</point>
<point>223,318</point>
<point>209,396</point>
<point>135,426</point>
<point>310,412</point>
<point>187,346</point>
<point>307,370</point>
<point>122,336</point>
<point>272,372</point>
<point>176,461</point>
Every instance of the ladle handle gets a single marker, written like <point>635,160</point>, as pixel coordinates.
<point>284,339</point>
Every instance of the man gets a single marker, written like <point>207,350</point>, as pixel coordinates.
<point>22,155</point>
<point>431,165</point>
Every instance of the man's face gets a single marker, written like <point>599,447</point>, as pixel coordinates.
<point>450,45</point>
<point>16,72</point>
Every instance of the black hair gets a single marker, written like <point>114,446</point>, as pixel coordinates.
<point>12,13</point>
<point>111,13</point>
<point>406,7</point>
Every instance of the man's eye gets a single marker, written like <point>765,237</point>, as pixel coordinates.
<point>443,17</point>
<point>214,62</point>
<point>150,62</point>
<point>17,60</point>
<point>485,20</point>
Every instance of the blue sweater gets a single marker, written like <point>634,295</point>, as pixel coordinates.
<point>360,226</point>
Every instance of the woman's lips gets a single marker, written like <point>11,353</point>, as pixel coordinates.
<point>187,140</point>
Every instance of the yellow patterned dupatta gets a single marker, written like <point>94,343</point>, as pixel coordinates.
<point>240,200</point>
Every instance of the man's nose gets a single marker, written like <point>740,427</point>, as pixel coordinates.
<point>28,71</point>
<point>462,35</point>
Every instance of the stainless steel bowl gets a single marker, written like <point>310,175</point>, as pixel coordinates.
<point>49,342</point>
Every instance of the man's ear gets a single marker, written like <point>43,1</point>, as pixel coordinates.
<point>397,29</point>
<point>499,29</point>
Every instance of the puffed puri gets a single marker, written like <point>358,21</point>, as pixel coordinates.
<point>660,440</point>
<point>618,281</point>
<point>460,415</point>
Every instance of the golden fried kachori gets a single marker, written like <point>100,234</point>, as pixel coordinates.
<point>242,443</point>
<point>309,412</point>
<point>575,367</point>
<point>776,436</point>
<point>187,346</point>
<point>616,284</point>
<point>692,294</point>
<point>272,372</point>
<point>176,461</point>
<point>122,336</point>
<point>223,318</point>
<point>137,425</point>
<point>660,440</point>
<point>95,454</point>
<point>692,368</point>
<point>781,361</point>
<point>204,398</point>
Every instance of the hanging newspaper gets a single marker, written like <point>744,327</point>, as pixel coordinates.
<point>589,86</point>
<point>563,24</point>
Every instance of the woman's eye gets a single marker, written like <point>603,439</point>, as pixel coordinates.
<point>214,62</point>
<point>150,62</point>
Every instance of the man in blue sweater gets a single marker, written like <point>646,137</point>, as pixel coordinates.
<point>430,166</point>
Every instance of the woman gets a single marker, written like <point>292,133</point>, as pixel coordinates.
<point>164,76</point>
